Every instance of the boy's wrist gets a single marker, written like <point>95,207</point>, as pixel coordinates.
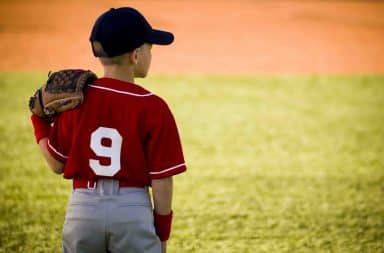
<point>163,224</point>
<point>41,127</point>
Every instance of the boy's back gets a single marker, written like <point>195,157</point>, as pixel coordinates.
<point>121,131</point>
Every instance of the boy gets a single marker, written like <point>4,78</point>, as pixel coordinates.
<point>121,140</point>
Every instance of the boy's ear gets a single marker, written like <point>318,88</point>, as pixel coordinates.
<point>134,56</point>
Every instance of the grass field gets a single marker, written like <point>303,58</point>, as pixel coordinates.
<point>276,164</point>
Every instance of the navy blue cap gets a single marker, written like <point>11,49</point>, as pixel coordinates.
<point>119,31</point>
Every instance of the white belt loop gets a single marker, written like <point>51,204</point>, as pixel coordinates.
<point>93,186</point>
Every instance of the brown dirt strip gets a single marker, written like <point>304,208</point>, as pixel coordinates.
<point>214,36</point>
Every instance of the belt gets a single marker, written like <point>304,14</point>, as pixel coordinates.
<point>92,184</point>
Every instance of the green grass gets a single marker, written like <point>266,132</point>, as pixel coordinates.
<point>276,164</point>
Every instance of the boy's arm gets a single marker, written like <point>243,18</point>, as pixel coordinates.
<point>41,129</point>
<point>162,199</point>
<point>55,165</point>
<point>162,195</point>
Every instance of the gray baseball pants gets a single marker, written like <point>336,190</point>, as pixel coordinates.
<point>109,219</point>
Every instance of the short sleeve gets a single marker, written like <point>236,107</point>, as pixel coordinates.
<point>163,146</point>
<point>59,141</point>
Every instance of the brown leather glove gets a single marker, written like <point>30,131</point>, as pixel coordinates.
<point>63,91</point>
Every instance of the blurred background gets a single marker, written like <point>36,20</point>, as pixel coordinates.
<point>217,36</point>
<point>279,105</point>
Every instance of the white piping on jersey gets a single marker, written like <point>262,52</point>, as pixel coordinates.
<point>119,91</point>
<point>57,152</point>
<point>166,170</point>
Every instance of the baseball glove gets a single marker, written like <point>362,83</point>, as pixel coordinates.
<point>63,91</point>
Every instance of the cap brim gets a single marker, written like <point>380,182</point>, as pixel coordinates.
<point>159,37</point>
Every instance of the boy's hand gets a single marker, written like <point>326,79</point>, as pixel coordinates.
<point>163,247</point>
<point>63,91</point>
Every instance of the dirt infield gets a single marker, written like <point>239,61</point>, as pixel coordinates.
<point>215,36</point>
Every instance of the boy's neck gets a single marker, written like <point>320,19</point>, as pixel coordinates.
<point>119,73</point>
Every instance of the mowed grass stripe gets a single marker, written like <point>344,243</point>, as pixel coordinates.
<point>276,164</point>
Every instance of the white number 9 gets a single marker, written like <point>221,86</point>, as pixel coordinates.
<point>113,151</point>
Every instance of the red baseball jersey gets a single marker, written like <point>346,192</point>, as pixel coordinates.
<point>121,131</point>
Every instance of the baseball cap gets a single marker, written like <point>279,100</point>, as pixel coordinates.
<point>119,31</point>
